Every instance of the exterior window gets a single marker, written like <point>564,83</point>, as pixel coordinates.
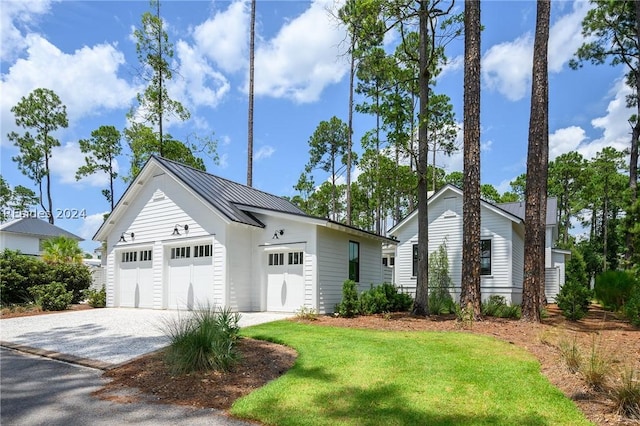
<point>180,252</point>
<point>129,256</point>
<point>354,261</point>
<point>415,261</point>
<point>385,261</point>
<point>276,259</point>
<point>392,261</point>
<point>203,250</point>
<point>485,257</point>
<point>295,258</point>
<point>145,255</point>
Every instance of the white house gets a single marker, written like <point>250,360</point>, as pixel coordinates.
<point>27,234</point>
<point>502,245</point>
<point>179,238</point>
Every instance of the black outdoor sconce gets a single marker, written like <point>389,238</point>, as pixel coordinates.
<point>177,232</point>
<point>123,239</point>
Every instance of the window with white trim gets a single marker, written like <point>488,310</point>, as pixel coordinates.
<point>180,252</point>
<point>129,256</point>
<point>295,258</point>
<point>276,259</point>
<point>203,250</point>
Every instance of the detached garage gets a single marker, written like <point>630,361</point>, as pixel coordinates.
<point>180,238</point>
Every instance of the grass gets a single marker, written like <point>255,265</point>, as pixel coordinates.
<point>366,377</point>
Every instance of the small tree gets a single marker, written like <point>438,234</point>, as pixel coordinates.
<point>440,300</point>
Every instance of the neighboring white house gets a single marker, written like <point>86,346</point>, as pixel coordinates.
<point>179,238</point>
<point>27,234</point>
<point>502,245</point>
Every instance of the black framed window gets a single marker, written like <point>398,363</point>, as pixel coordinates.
<point>414,272</point>
<point>485,257</point>
<point>276,259</point>
<point>145,255</point>
<point>129,256</point>
<point>204,250</point>
<point>295,258</point>
<point>354,261</point>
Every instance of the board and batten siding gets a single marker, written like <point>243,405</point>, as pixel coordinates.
<point>333,265</point>
<point>241,289</point>
<point>298,235</point>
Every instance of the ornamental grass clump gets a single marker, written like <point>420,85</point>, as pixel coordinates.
<point>204,340</point>
<point>625,394</point>
<point>596,368</point>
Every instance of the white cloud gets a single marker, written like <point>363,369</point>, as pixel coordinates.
<point>265,151</point>
<point>15,16</point>
<point>565,140</point>
<point>565,36</point>
<point>223,161</point>
<point>452,65</point>
<point>90,225</point>
<point>303,58</point>
<point>616,131</point>
<point>66,161</point>
<point>86,81</point>
<point>506,67</point>
<point>196,79</point>
<point>224,38</point>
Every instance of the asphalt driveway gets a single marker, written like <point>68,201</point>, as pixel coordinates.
<point>99,338</point>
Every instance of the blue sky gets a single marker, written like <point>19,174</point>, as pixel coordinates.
<point>84,51</point>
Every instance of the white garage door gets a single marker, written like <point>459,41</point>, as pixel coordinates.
<point>190,276</point>
<point>135,278</point>
<point>285,281</point>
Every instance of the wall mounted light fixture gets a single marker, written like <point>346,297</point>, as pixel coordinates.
<point>123,239</point>
<point>277,234</point>
<point>177,232</point>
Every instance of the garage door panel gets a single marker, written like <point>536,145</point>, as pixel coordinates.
<point>190,278</point>
<point>285,283</point>
<point>135,279</point>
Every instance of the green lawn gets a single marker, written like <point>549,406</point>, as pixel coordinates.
<point>363,377</point>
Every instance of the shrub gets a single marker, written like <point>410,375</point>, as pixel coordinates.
<point>577,269</point>
<point>441,303</point>
<point>18,272</point>
<point>384,298</point>
<point>496,306</point>
<point>97,298</point>
<point>204,340</point>
<point>631,308</point>
<point>75,276</point>
<point>574,300</point>
<point>625,394</point>
<point>52,297</point>
<point>306,313</point>
<point>613,288</point>
<point>349,306</point>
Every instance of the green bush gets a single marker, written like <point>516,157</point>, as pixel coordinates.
<point>97,298</point>
<point>18,272</point>
<point>613,288</point>
<point>496,306</point>
<point>631,308</point>
<point>75,276</point>
<point>574,300</point>
<point>349,305</point>
<point>204,340</point>
<point>441,303</point>
<point>51,297</point>
<point>577,269</point>
<point>384,298</point>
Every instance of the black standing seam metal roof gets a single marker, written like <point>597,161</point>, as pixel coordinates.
<point>227,196</point>
<point>37,227</point>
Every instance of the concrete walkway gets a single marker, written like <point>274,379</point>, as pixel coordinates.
<point>100,338</point>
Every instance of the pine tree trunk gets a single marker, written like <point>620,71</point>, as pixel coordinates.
<point>537,159</point>
<point>470,296</point>
<point>251,82</point>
